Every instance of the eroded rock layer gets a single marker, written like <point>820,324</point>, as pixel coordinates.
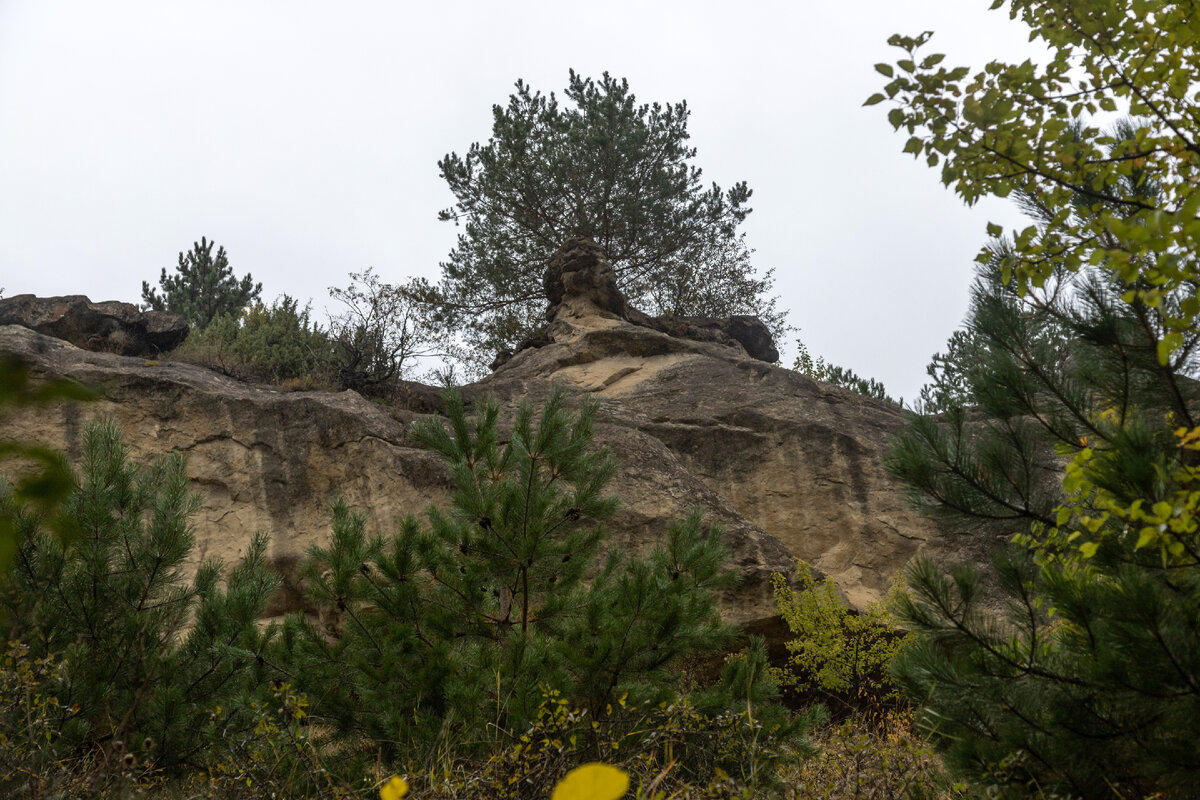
<point>790,467</point>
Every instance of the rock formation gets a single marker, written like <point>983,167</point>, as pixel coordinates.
<point>109,327</point>
<point>789,467</point>
<point>579,275</point>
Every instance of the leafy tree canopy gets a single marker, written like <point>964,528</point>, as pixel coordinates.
<point>1031,129</point>
<point>204,287</point>
<point>604,167</point>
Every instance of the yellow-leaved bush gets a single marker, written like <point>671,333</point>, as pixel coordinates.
<point>838,654</point>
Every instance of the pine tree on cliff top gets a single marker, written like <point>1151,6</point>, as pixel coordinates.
<point>602,166</point>
<point>204,287</point>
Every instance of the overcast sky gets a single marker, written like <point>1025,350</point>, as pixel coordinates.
<point>304,138</point>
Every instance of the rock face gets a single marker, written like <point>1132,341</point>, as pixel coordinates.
<point>579,272</point>
<point>789,467</point>
<point>579,276</point>
<point>109,327</point>
<point>800,461</point>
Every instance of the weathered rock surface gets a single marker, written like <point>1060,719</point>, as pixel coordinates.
<point>790,467</point>
<point>800,460</point>
<point>108,327</point>
<point>579,276</point>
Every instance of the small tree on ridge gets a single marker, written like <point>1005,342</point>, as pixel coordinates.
<point>204,288</point>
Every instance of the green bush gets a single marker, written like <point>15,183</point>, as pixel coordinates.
<point>268,344</point>
<point>838,655</point>
<point>142,654</point>
<point>445,638</point>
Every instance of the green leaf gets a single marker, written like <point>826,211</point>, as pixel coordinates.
<point>874,99</point>
<point>884,69</point>
<point>1146,537</point>
<point>1167,345</point>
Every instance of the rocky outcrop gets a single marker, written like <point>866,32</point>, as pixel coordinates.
<point>791,468</point>
<point>579,275</point>
<point>108,327</point>
<point>272,461</point>
<point>579,272</point>
<point>801,461</point>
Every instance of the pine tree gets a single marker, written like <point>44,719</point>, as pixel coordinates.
<point>607,168</point>
<point>821,370</point>
<point>448,635</point>
<point>1082,434</point>
<point>1085,678</point>
<point>204,287</point>
<point>45,483</point>
<point>147,657</point>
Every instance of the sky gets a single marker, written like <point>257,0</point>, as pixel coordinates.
<point>304,138</point>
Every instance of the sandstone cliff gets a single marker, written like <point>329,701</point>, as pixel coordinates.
<point>790,467</point>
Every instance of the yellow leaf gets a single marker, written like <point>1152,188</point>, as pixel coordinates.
<point>394,789</point>
<point>592,782</point>
<point>1088,549</point>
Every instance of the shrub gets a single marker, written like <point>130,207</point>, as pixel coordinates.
<point>280,757</point>
<point>838,654</point>
<point>382,330</point>
<point>269,344</point>
<point>142,654</point>
<point>31,763</point>
<point>671,749</point>
<point>446,637</point>
<point>874,756</point>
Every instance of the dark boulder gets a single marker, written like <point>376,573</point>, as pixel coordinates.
<point>580,268</point>
<point>107,327</point>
